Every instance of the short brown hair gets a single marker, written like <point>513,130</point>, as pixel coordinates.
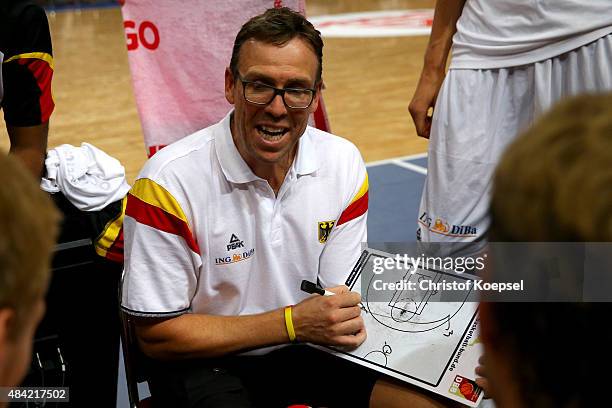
<point>278,26</point>
<point>29,222</point>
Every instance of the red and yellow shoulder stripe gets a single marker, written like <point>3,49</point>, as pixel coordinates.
<point>358,205</point>
<point>40,64</point>
<point>109,244</point>
<point>43,56</point>
<point>151,204</point>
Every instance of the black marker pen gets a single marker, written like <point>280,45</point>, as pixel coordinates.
<point>312,288</point>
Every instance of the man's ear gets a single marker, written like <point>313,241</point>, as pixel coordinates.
<point>7,323</point>
<point>315,102</point>
<point>230,84</point>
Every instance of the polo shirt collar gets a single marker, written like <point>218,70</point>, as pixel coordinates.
<point>235,168</point>
<point>306,161</point>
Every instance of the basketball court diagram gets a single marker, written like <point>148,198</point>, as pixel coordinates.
<point>414,335</point>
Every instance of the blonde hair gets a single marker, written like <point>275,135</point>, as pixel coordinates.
<point>28,225</point>
<point>554,183</point>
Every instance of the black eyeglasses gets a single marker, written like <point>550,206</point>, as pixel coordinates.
<point>258,93</point>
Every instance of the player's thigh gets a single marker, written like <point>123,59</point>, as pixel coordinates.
<point>478,113</point>
<point>196,384</point>
<point>304,375</point>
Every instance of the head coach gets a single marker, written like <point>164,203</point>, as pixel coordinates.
<point>222,226</point>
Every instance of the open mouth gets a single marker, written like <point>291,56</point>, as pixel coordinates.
<point>270,133</point>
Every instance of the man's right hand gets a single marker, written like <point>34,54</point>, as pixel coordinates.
<point>424,100</point>
<point>443,28</point>
<point>330,320</point>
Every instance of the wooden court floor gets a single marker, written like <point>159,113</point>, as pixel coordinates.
<point>369,83</point>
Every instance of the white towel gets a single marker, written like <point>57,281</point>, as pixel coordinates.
<point>89,178</point>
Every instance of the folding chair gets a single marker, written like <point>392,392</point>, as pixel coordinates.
<point>133,359</point>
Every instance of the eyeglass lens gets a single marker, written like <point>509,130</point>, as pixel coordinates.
<point>263,94</point>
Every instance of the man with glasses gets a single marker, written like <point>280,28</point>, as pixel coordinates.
<point>222,226</point>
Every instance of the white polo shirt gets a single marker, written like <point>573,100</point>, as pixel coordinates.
<point>204,234</point>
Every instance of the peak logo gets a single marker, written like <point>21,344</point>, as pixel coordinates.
<point>235,255</point>
<point>441,226</point>
<point>234,243</point>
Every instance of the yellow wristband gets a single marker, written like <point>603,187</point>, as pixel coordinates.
<point>289,323</point>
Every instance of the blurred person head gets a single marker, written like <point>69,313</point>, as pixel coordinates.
<point>28,222</point>
<point>553,184</point>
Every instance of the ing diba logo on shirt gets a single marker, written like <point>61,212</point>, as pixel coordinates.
<point>325,228</point>
<point>440,226</point>
<point>234,244</point>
